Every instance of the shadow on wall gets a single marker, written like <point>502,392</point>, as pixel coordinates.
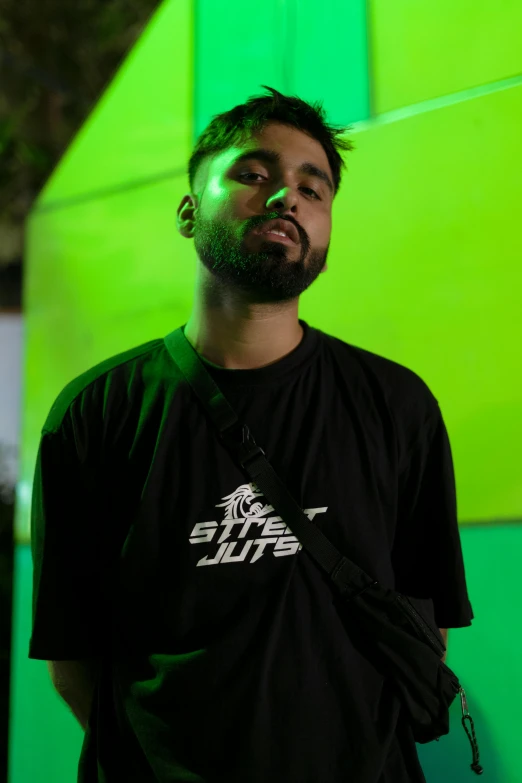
<point>449,759</point>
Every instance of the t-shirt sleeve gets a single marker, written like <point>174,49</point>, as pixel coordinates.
<point>69,606</point>
<point>427,555</point>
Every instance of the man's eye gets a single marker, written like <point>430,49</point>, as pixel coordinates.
<point>254,174</point>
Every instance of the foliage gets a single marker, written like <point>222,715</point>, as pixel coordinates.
<point>56,59</point>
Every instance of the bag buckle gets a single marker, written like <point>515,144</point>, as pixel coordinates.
<point>246,448</point>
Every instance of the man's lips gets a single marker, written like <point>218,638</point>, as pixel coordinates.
<point>275,238</point>
<point>278,224</point>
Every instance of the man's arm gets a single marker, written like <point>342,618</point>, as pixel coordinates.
<point>444,634</point>
<point>75,682</point>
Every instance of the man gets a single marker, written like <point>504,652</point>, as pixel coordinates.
<point>184,625</point>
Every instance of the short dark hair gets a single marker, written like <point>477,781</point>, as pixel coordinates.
<point>237,124</point>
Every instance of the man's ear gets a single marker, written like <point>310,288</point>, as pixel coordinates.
<point>185,216</point>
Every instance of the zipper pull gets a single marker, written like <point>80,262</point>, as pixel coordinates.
<point>475,766</point>
<point>464,703</point>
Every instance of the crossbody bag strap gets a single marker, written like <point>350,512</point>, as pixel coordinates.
<point>346,575</point>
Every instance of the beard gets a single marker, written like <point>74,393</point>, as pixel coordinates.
<point>255,267</point>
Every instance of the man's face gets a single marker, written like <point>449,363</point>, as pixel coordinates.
<point>240,196</point>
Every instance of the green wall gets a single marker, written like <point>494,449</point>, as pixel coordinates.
<point>424,268</point>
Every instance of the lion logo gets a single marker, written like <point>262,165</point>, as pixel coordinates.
<point>239,503</point>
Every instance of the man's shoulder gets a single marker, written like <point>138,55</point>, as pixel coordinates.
<point>97,380</point>
<point>400,384</point>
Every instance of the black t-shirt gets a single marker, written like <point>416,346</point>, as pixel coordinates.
<point>225,656</point>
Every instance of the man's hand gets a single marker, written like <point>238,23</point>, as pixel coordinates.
<point>75,682</point>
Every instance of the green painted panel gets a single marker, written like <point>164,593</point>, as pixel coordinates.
<point>425,50</point>
<point>45,739</point>
<point>425,269</point>
<point>286,44</point>
<point>142,126</point>
<point>330,58</point>
<point>486,658</point>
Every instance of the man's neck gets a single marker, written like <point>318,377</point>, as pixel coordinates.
<point>250,347</point>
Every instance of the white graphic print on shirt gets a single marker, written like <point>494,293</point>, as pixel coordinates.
<point>240,515</point>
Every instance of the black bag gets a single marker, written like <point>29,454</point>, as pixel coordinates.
<point>403,645</point>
